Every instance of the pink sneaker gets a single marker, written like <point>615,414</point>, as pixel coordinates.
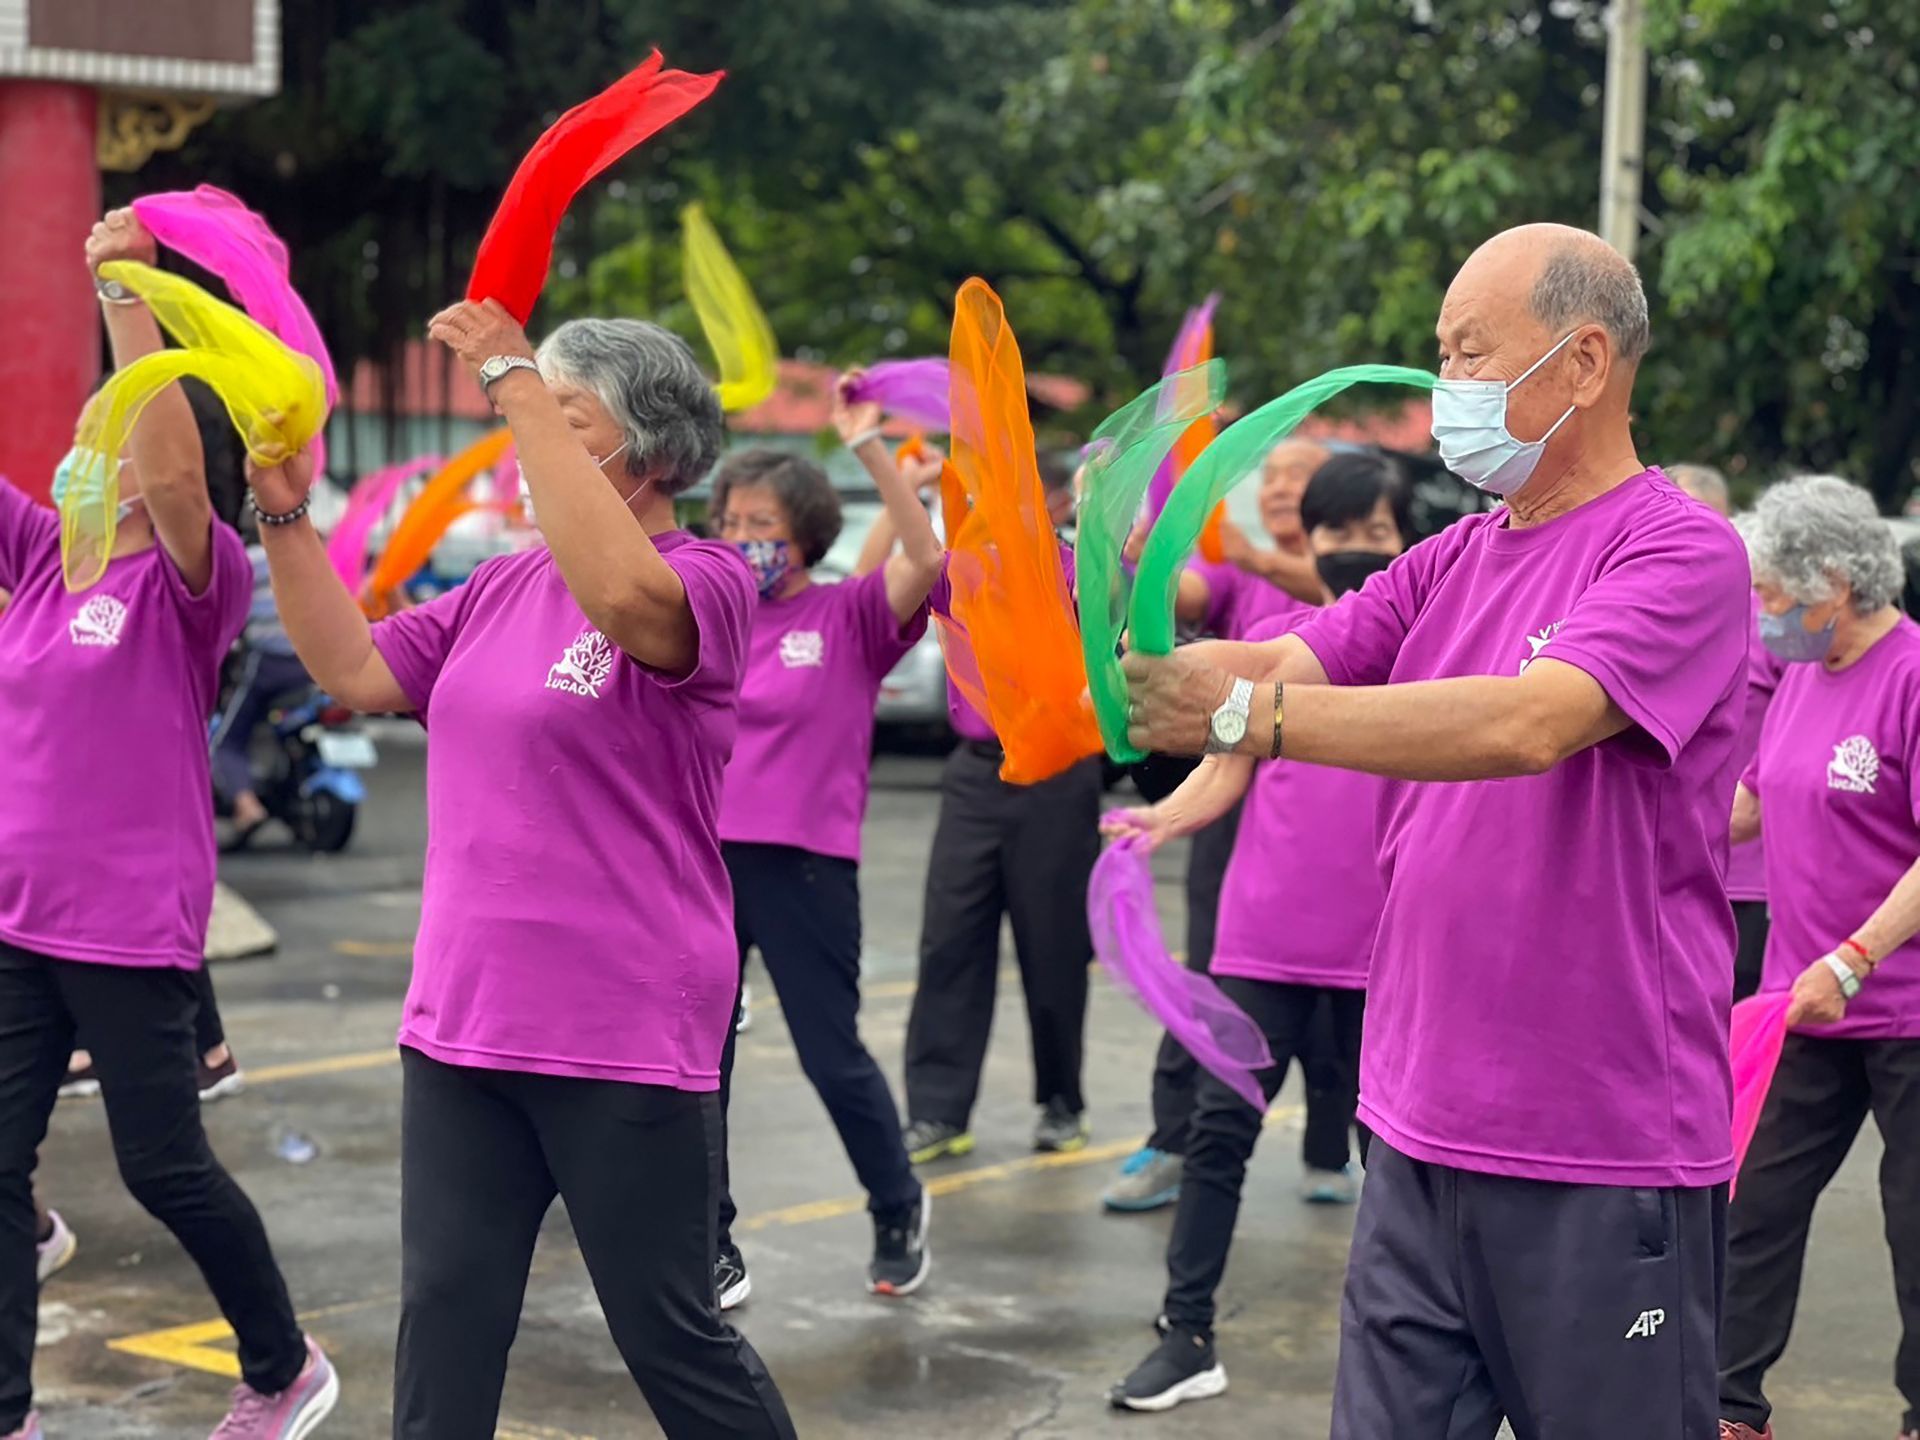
<point>294,1412</point>
<point>29,1428</point>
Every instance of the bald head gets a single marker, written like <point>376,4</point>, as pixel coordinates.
<point>1565,278</point>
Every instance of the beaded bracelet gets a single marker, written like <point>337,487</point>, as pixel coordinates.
<point>267,517</point>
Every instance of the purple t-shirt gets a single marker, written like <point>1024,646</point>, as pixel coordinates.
<point>106,829</point>
<point>1302,895</point>
<point>814,666</point>
<point>1838,776</point>
<point>1746,864</point>
<point>1550,985</point>
<point>969,723</point>
<point>575,918</point>
<point>1236,601</point>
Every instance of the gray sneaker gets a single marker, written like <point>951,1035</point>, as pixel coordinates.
<point>1148,1180</point>
<point>1061,1130</point>
<point>1330,1187</point>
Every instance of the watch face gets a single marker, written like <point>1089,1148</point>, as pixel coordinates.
<point>1230,728</point>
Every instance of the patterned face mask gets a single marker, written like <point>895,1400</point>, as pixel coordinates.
<point>770,560</point>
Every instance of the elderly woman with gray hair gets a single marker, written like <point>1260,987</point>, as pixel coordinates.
<point>1837,784</point>
<point>575,969</point>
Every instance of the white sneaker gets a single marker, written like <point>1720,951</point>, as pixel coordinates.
<point>57,1249</point>
<point>745,1022</point>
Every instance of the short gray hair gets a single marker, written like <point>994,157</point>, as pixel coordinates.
<point>1592,284</point>
<point>1703,482</point>
<point>649,382</point>
<point>1807,533</point>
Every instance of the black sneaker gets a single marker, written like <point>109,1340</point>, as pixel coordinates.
<point>1061,1130</point>
<point>219,1081</point>
<point>1183,1367</point>
<point>929,1140</point>
<point>730,1282</point>
<point>901,1257</point>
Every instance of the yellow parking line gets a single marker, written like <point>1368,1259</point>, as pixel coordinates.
<point>187,1345</point>
<point>326,1065</point>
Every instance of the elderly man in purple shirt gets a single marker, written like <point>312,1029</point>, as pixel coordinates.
<point>1553,690</point>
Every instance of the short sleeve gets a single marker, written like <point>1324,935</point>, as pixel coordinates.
<point>416,643</point>
<point>882,638</point>
<point>1272,627</point>
<point>218,613</point>
<point>1357,639</point>
<point>721,594</point>
<point>26,529</point>
<point>1663,629</point>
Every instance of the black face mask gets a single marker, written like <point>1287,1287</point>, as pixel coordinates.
<point>1346,570</point>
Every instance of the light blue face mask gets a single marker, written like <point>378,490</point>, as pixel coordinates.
<point>1788,638</point>
<point>82,474</point>
<point>1470,427</point>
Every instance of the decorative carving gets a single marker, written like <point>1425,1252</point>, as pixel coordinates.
<point>132,128</point>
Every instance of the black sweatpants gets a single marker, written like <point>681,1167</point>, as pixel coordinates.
<point>1025,852</point>
<point>1331,1079</point>
<point>802,912</point>
<point>1751,922</point>
<point>139,1024</point>
<point>482,1155</point>
<point>1225,1129</point>
<point>1577,1312</point>
<point>1820,1094</point>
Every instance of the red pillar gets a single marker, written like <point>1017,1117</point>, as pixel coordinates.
<point>49,327</point>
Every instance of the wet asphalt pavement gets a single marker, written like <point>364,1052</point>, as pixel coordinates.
<point>1037,1301</point>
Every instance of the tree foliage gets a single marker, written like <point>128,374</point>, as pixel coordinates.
<point>1326,164</point>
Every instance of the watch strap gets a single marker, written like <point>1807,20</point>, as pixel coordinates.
<point>1844,973</point>
<point>497,367</point>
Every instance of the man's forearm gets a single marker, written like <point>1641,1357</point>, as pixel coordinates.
<point>1479,727</point>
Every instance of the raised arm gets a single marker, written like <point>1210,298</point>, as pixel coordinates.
<point>914,565</point>
<point>617,576</point>
<point>165,443</point>
<point>330,635</point>
<point>1294,574</point>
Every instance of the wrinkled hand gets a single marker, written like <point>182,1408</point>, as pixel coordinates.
<point>1171,701</point>
<point>1817,997</point>
<point>850,418</point>
<point>1150,825</point>
<point>278,486</point>
<point>478,331</point>
<point>923,471</point>
<point>119,235</point>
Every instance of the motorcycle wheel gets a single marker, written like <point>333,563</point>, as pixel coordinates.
<point>323,822</point>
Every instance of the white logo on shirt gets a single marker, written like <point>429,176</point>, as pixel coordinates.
<point>803,649</point>
<point>1537,642</point>
<point>1649,1321</point>
<point>99,622</point>
<point>585,666</point>
<point>1855,766</point>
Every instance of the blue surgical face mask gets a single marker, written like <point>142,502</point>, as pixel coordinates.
<point>1788,638</point>
<point>770,560</point>
<point>82,475</point>
<point>1470,427</point>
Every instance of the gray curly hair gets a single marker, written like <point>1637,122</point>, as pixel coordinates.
<point>1807,534</point>
<point>649,382</point>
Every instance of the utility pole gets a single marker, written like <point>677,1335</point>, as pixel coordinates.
<point>1623,137</point>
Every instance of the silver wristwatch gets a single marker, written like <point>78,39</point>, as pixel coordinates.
<point>1229,725</point>
<point>1844,974</point>
<point>492,369</point>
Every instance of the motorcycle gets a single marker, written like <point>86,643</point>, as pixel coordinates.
<point>313,782</point>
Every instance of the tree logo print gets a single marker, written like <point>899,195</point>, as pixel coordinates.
<point>99,622</point>
<point>1855,767</point>
<point>585,667</point>
<point>803,650</point>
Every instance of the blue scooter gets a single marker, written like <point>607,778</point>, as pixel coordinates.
<point>313,782</point>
